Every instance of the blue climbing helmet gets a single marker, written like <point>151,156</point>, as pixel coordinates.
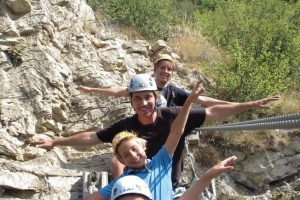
<point>142,82</point>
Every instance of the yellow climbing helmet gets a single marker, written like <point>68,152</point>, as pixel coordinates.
<point>121,137</point>
<point>163,57</point>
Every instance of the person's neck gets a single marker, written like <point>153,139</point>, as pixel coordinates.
<point>148,120</point>
<point>141,167</point>
<point>161,84</point>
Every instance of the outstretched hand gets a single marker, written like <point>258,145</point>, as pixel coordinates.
<point>82,88</point>
<point>45,144</point>
<point>225,165</point>
<point>262,103</point>
<point>197,91</point>
<point>199,186</point>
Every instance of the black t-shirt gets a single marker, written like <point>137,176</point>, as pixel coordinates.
<point>156,134</point>
<point>175,96</point>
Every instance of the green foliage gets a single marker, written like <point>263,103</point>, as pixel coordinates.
<point>151,18</point>
<point>95,4</point>
<point>183,11</point>
<point>262,40</point>
<point>209,4</point>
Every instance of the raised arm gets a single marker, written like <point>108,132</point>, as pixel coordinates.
<point>197,188</point>
<point>206,101</point>
<point>221,111</point>
<point>178,124</point>
<point>114,91</point>
<point>81,139</point>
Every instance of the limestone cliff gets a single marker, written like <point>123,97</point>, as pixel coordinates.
<point>47,48</point>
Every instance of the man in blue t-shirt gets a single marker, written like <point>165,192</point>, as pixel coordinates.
<point>132,187</point>
<point>130,151</point>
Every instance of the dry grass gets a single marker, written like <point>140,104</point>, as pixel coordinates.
<point>195,50</point>
<point>130,32</point>
<point>289,103</point>
<point>246,141</point>
<point>206,155</point>
<point>259,141</point>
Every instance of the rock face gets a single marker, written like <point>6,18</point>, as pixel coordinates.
<point>47,48</point>
<point>260,170</point>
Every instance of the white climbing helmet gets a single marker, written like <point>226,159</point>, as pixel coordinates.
<point>142,82</point>
<point>130,184</point>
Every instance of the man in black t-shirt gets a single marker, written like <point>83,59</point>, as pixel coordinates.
<point>164,66</point>
<point>170,95</point>
<point>156,133</point>
<point>154,124</point>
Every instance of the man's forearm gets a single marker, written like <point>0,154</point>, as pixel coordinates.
<point>208,101</point>
<point>198,187</point>
<point>222,111</point>
<point>81,139</point>
<point>178,125</point>
<point>115,92</point>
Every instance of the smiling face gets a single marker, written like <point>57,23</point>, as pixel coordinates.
<point>163,72</point>
<point>131,153</point>
<point>143,104</point>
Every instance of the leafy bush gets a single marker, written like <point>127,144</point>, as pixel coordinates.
<point>151,18</point>
<point>262,40</point>
<point>209,4</point>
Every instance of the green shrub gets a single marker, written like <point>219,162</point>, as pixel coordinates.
<point>209,4</point>
<point>262,40</point>
<point>152,19</point>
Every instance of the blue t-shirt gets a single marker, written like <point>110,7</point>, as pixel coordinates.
<point>157,174</point>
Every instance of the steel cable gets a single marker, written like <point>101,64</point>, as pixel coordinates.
<point>291,121</point>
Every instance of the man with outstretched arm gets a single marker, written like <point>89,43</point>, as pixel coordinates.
<point>153,124</point>
<point>131,187</point>
<point>169,95</point>
<point>156,172</point>
<point>164,66</point>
